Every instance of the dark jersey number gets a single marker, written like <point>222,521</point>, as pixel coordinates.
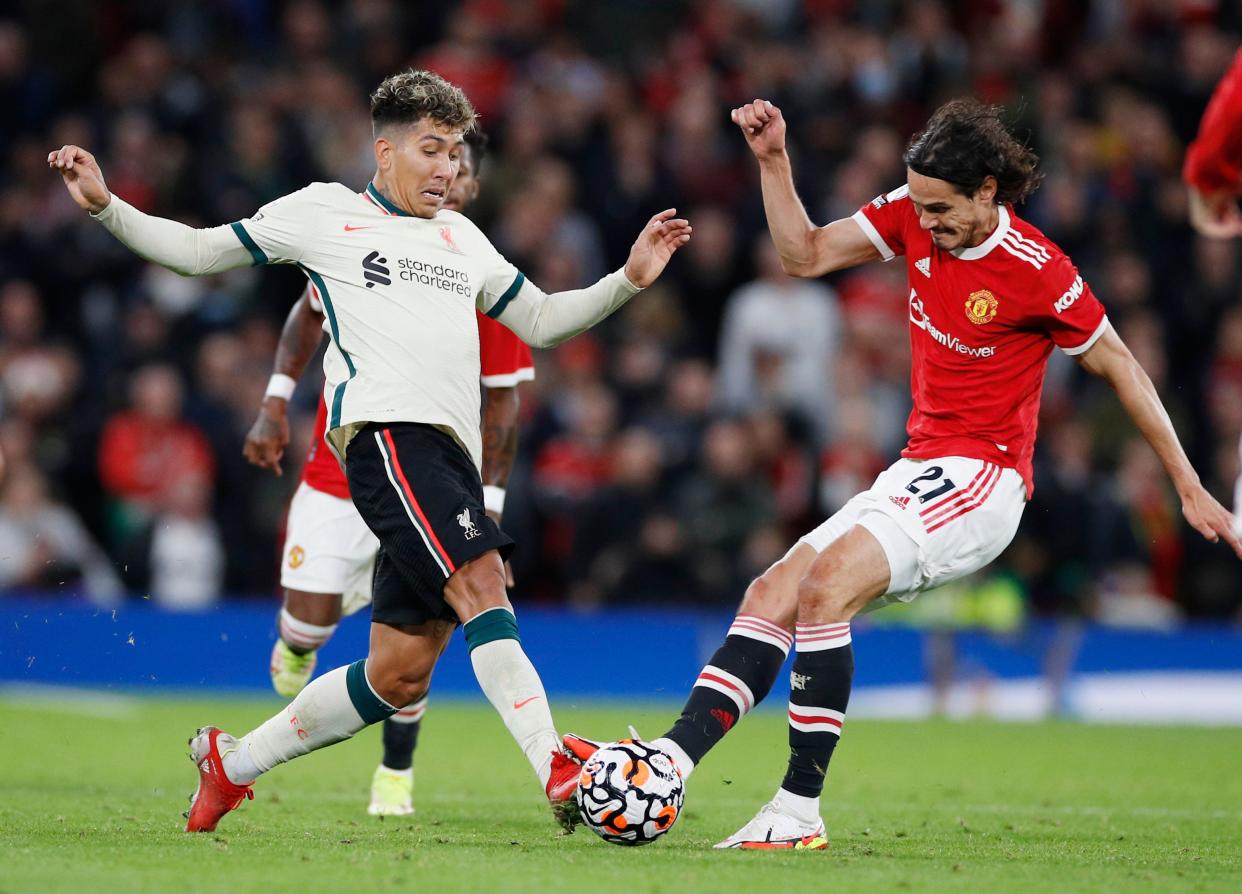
<point>932,474</point>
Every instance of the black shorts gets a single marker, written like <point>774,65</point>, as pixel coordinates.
<point>420,494</point>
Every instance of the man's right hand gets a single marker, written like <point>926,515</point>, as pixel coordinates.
<point>268,437</point>
<point>763,125</point>
<point>82,177</point>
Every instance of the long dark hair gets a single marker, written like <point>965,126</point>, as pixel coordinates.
<point>964,142</point>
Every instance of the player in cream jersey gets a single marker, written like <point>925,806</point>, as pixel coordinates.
<point>328,559</point>
<point>399,284</point>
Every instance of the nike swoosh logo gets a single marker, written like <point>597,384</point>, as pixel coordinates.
<point>349,229</point>
<point>517,706</point>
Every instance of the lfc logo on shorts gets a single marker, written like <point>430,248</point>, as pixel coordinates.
<point>467,525</point>
<point>981,307</point>
<point>297,556</point>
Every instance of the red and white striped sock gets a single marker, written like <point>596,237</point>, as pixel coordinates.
<point>736,679</point>
<point>302,637</point>
<point>819,691</point>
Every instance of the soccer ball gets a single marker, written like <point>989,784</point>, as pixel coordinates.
<point>630,793</point>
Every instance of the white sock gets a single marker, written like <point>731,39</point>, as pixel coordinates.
<point>322,714</point>
<point>511,684</point>
<point>800,807</point>
<point>302,636</point>
<point>677,753</point>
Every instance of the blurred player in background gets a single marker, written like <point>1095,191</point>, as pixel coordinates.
<point>1213,175</point>
<point>990,297</point>
<point>329,554</point>
<point>399,280</point>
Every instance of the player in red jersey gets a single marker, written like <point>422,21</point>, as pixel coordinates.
<point>329,553</point>
<point>1213,175</point>
<point>990,297</point>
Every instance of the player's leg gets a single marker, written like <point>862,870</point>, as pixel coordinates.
<point>305,623</point>
<point>476,592</point>
<point>839,583</point>
<point>327,545</point>
<point>392,782</point>
<point>741,672</point>
<point>421,494</point>
<point>330,709</point>
<point>899,546</point>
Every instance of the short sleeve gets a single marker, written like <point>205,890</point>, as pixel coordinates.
<point>1070,313</point>
<point>884,220</point>
<point>278,232</point>
<point>505,358</point>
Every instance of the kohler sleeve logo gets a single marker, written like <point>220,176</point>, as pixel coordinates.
<point>374,270</point>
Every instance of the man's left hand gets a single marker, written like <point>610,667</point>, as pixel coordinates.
<point>662,236</point>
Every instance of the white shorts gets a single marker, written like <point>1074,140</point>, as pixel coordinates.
<point>936,519</point>
<point>328,549</point>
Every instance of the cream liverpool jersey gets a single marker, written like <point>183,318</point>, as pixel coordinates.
<point>399,295</point>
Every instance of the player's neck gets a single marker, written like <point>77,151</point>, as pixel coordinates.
<point>986,229</point>
<point>385,189</point>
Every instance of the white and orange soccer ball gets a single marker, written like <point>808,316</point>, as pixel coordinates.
<point>630,793</point>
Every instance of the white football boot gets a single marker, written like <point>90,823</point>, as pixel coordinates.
<point>774,829</point>
<point>290,671</point>
<point>392,792</point>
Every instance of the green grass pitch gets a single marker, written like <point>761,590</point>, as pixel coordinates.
<point>91,802</point>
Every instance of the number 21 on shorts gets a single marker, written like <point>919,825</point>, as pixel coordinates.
<point>929,477</point>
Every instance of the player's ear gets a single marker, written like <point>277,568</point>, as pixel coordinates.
<point>987,190</point>
<point>384,150</point>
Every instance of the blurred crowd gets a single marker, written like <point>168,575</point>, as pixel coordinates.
<point>676,451</point>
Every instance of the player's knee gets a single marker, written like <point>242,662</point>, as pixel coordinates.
<point>773,596</point>
<point>399,685</point>
<point>477,586</point>
<point>408,692</point>
<point>823,596</point>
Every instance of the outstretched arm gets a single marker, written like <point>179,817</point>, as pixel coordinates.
<point>182,249</point>
<point>805,249</point>
<point>1111,360</point>
<point>544,320</point>
<point>299,339</point>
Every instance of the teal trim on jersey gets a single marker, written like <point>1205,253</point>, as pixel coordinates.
<point>249,244</point>
<point>370,707</point>
<point>493,624</point>
<point>510,293</point>
<point>338,394</point>
<point>387,205</point>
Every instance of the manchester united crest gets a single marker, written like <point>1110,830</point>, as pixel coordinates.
<point>297,556</point>
<point>981,307</point>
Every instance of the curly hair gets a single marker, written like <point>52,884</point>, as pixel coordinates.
<point>964,142</point>
<point>410,96</point>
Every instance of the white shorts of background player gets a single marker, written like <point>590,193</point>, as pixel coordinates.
<point>937,520</point>
<point>328,549</point>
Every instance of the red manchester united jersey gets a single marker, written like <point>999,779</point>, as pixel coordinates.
<point>505,360</point>
<point>983,322</point>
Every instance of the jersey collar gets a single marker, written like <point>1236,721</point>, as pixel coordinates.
<point>386,206</point>
<point>980,250</point>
